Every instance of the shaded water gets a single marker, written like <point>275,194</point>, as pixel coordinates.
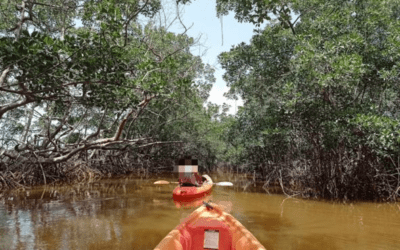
<point>135,214</point>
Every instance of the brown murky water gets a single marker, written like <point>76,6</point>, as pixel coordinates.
<point>135,214</point>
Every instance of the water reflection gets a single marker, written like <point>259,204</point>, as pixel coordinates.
<point>135,214</point>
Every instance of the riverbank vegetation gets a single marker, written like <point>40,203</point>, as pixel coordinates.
<point>117,95</point>
<point>321,90</point>
<point>88,89</point>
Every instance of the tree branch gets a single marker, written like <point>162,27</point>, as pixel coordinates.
<point>3,76</point>
<point>11,106</point>
<point>142,105</point>
<point>98,128</point>
<point>51,136</point>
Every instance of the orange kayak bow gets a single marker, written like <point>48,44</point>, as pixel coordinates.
<point>209,227</point>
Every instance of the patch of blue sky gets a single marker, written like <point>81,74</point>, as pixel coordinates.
<point>217,35</point>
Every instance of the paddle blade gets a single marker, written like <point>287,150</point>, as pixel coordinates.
<point>161,182</point>
<point>224,184</point>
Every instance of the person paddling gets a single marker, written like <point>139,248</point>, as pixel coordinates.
<point>188,173</point>
<point>194,179</point>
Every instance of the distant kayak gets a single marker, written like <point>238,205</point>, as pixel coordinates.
<point>209,227</point>
<point>189,193</point>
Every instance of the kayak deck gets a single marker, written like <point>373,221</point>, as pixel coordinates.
<point>210,228</point>
<point>187,193</point>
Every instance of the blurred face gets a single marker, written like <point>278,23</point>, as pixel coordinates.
<point>187,171</point>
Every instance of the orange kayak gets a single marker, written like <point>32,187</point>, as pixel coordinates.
<point>190,193</point>
<point>209,227</point>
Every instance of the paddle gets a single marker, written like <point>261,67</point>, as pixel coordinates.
<point>222,184</point>
<point>162,182</point>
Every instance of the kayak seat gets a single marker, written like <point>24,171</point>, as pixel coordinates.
<point>193,236</point>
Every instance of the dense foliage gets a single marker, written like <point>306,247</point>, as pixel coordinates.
<point>321,93</point>
<point>88,88</point>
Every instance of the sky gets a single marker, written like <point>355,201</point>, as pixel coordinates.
<point>203,16</point>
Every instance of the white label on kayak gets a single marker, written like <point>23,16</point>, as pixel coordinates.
<point>211,239</point>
